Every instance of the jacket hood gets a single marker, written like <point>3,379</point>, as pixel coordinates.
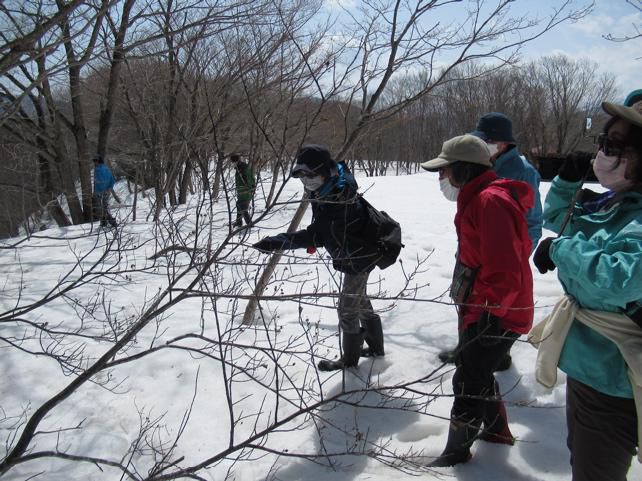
<point>519,191</point>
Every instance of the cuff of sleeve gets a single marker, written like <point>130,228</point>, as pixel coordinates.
<point>566,183</point>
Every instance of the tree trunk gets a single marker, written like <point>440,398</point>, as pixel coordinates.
<point>78,128</point>
<point>57,214</point>
<point>275,174</point>
<point>250,309</point>
<point>186,183</point>
<point>107,111</point>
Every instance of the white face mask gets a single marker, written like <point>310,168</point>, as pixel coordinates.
<point>450,191</point>
<point>312,183</point>
<point>492,148</point>
<point>608,175</point>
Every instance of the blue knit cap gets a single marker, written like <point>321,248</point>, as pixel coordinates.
<point>494,126</point>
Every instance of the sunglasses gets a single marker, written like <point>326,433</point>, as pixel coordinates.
<point>611,147</point>
<point>304,173</point>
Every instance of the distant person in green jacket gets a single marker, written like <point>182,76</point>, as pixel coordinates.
<point>245,184</point>
<point>598,259</point>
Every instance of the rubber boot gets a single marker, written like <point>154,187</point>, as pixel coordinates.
<point>351,344</point>
<point>496,428</point>
<point>448,356</point>
<point>460,437</point>
<point>373,336</point>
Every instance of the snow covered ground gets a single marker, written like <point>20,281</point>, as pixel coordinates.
<point>182,373</point>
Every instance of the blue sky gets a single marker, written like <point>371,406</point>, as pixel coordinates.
<point>584,38</point>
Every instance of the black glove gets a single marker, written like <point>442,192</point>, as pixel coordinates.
<point>542,258</point>
<point>269,244</point>
<point>575,165</point>
<point>489,329</point>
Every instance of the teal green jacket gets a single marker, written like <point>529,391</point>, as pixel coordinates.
<point>599,263</point>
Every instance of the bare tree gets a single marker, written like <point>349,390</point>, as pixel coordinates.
<point>192,255</point>
<point>101,341</point>
<point>571,92</point>
<point>391,37</point>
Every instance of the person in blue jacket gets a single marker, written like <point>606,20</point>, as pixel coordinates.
<point>598,258</point>
<point>496,129</point>
<point>103,184</point>
<point>339,221</point>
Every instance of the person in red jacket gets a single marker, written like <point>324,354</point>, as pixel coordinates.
<point>492,288</point>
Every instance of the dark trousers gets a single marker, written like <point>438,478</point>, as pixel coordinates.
<point>474,386</point>
<point>602,433</point>
<point>101,204</point>
<point>243,212</point>
<point>355,307</point>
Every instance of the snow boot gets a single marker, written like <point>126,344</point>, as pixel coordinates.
<point>351,344</point>
<point>460,437</point>
<point>373,336</point>
<point>448,356</point>
<point>496,428</point>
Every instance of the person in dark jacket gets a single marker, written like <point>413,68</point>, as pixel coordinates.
<point>103,184</point>
<point>339,219</point>
<point>245,184</point>
<point>492,288</point>
<point>496,129</point>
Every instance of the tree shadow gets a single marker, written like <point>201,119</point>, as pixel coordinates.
<point>360,426</point>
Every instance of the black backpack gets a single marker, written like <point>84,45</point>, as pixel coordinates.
<point>386,233</point>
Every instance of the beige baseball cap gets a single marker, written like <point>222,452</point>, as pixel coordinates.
<point>631,114</point>
<point>464,148</point>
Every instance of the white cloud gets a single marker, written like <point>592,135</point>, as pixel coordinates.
<point>339,4</point>
<point>617,58</point>
<point>610,17</point>
<point>594,25</point>
<point>620,59</point>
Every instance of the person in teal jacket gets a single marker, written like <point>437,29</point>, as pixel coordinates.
<point>598,257</point>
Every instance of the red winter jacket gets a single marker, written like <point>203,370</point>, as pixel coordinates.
<point>493,242</point>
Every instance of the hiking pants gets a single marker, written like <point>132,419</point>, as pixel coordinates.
<point>602,433</point>
<point>477,359</point>
<point>354,304</point>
